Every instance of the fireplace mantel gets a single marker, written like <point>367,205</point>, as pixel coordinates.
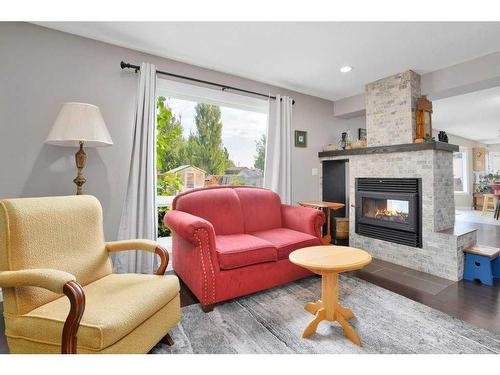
<point>407,147</point>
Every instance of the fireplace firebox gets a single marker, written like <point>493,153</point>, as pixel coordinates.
<point>389,209</point>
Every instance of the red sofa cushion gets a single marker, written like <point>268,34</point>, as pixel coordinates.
<point>239,250</point>
<point>220,206</point>
<point>261,209</point>
<point>287,240</point>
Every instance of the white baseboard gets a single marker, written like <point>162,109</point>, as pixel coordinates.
<point>463,208</point>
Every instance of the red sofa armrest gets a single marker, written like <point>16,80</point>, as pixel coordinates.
<point>187,225</point>
<point>194,255</point>
<point>302,219</point>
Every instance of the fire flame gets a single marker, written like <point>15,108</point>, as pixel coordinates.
<point>391,214</point>
<point>388,212</point>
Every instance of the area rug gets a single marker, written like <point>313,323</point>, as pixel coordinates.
<point>273,321</point>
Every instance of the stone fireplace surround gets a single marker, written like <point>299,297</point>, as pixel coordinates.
<point>390,109</point>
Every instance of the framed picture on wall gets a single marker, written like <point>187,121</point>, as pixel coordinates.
<point>300,138</point>
<point>362,134</point>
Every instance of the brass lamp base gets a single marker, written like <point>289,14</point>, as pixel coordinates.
<point>80,158</point>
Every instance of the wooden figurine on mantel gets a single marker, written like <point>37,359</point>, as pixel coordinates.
<point>423,119</point>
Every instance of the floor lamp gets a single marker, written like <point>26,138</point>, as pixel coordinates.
<point>79,124</point>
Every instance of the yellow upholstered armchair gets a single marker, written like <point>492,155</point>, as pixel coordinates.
<point>60,294</point>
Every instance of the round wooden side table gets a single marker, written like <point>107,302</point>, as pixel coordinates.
<point>329,261</point>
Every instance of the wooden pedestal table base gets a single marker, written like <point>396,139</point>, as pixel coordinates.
<point>329,261</point>
<point>328,308</point>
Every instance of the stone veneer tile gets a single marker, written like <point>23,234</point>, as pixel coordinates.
<point>441,253</point>
<point>390,109</point>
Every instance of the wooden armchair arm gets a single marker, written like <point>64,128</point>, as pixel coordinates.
<point>145,245</point>
<point>58,282</point>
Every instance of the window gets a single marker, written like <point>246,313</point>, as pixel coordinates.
<point>218,134</point>
<point>206,137</point>
<point>189,180</point>
<point>460,172</point>
<point>493,162</point>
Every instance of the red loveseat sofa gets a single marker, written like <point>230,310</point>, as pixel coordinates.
<point>233,241</point>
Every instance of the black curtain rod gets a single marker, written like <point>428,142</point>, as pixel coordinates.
<point>136,68</point>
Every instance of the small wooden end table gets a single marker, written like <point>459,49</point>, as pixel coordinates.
<point>319,205</point>
<point>329,261</point>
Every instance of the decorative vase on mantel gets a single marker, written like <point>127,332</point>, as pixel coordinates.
<point>443,137</point>
<point>423,119</point>
<point>344,140</point>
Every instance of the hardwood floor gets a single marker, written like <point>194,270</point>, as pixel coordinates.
<point>469,301</point>
<point>187,298</point>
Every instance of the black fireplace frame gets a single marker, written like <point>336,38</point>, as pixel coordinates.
<point>407,189</point>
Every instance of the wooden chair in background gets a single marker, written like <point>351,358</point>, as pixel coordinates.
<point>489,203</point>
<point>495,188</point>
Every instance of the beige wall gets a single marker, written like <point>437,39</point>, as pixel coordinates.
<point>42,68</point>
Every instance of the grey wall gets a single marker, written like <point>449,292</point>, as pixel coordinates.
<point>350,125</point>
<point>42,68</point>
<point>353,124</point>
<point>464,201</point>
<point>494,147</point>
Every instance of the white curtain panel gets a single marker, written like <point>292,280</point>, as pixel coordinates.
<point>278,164</point>
<point>139,211</point>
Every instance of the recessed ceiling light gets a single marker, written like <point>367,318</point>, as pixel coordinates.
<point>346,69</point>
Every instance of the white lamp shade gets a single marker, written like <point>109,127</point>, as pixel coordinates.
<point>79,122</point>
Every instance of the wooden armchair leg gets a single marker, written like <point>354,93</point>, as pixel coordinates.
<point>207,308</point>
<point>76,296</point>
<point>167,339</point>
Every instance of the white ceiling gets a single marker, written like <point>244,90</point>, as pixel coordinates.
<point>302,56</point>
<point>475,116</point>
